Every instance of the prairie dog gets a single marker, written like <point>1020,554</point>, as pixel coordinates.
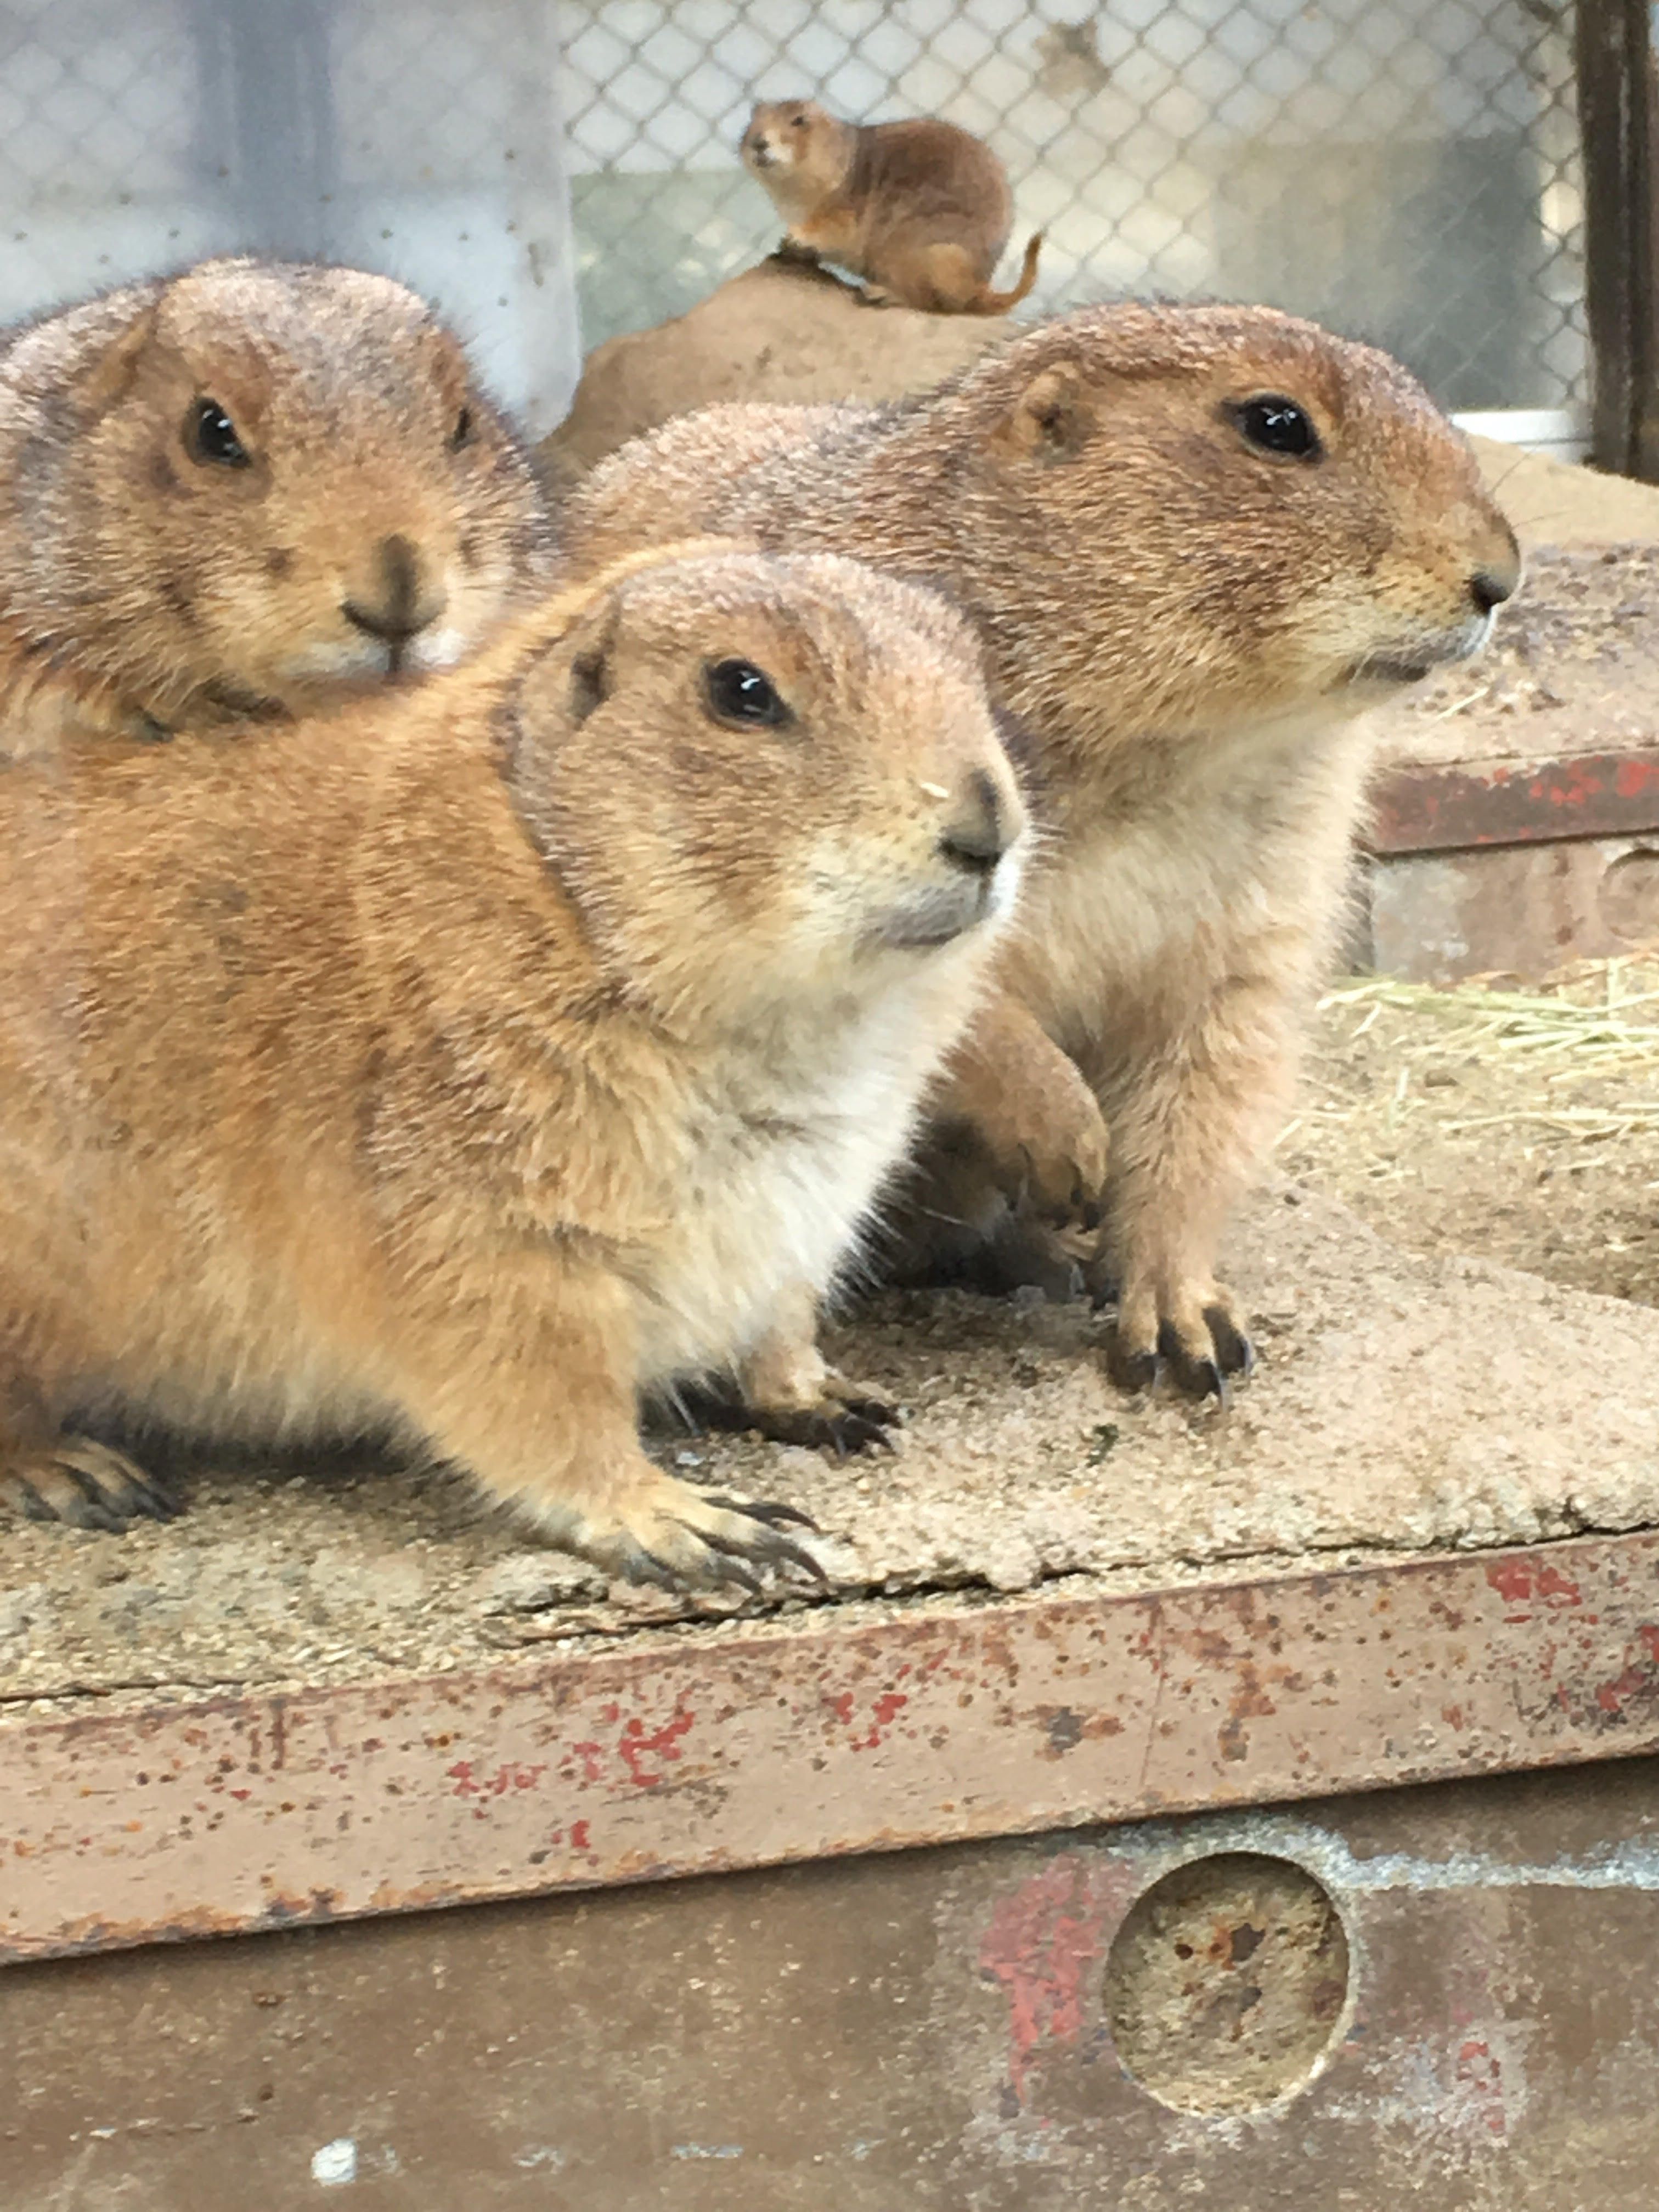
<point>242,492</point>
<point>1196,543</point>
<point>920,211</point>
<point>461,1066</point>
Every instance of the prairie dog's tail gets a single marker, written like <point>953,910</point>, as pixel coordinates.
<point>997,303</point>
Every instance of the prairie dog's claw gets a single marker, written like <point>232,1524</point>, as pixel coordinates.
<point>678,1537</point>
<point>844,1425</point>
<point>1198,1351</point>
<point>1130,1371</point>
<point>86,1486</point>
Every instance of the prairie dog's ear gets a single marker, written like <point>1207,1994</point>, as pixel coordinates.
<point>1051,418</point>
<point>102,382</point>
<point>568,677</point>
<point>592,646</point>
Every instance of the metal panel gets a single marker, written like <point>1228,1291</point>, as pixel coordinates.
<point>1004,2027</point>
<point>1516,802</point>
<point>692,1754</point>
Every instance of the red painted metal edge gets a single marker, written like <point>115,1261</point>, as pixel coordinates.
<point>687,1755</point>
<point>1428,810</point>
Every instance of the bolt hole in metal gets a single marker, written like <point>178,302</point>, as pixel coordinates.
<point>1628,895</point>
<point>1227,1983</point>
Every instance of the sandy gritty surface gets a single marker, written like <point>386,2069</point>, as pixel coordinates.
<point>1406,1402</point>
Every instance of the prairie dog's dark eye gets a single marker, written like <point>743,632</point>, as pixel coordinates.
<point>1278,425</point>
<point>461,434</point>
<point>739,692</point>
<point>210,435</point>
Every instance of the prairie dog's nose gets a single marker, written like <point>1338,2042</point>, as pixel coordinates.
<point>1498,575</point>
<point>981,827</point>
<point>400,601</point>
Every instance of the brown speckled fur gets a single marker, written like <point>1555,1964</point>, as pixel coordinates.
<point>1183,629</point>
<point>464,1064</point>
<point>919,210</point>
<point>145,590</point>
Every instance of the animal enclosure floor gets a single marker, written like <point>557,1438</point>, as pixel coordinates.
<point>1409,1400</point>
<point>1410,1397</point>
<point>1523,1126</point>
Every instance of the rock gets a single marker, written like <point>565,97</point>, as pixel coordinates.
<point>529,1581</point>
<point>28,1614</point>
<point>780,333</point>
<point>1553,502</point>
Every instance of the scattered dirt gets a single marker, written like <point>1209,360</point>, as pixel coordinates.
<point>1539,1148</point>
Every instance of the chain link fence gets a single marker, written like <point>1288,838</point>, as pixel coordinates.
<point>1406,171</point>
<point>421,137</point>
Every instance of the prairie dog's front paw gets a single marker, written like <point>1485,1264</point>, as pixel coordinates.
<point>85,1484</point>
<point>661,1530</point>
<point>840,1417</point>
<point>1063,1164</point>
<point>1045,1138</point>
<point>1196,1335</point>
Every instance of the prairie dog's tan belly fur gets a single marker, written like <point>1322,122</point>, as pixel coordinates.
<point>776,1183</point>
<point>1179,890</point>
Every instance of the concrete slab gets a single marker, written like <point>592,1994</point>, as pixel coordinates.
<point>1403,1405</point>
<point>1049,1606</point>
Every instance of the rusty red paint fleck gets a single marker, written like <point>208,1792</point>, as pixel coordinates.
<point>885,1710</point>
<point>1637,1679</point>
<point>1042,1940</point>
<point>1440,808</point>
<point>591,1756</point>
<point>1479,2071</point>
<point>1527,1581</point>
<point>507,1777</point>
<point>634,1746</point>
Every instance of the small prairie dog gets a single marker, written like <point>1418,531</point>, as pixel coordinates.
<point>1196,543</point>
<point>920,211</point>
<point>241,492</point>
<point>462,1067</point>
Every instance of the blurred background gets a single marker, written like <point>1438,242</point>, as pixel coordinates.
<point>1406,170</point>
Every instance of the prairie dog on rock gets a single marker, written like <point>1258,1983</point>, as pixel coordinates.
<point>920,211</point>
<point>1196,543</point>
<point>463,1065</point>
<point>243,492</point>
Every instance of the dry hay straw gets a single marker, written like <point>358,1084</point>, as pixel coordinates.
<point>1595,1020</point>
